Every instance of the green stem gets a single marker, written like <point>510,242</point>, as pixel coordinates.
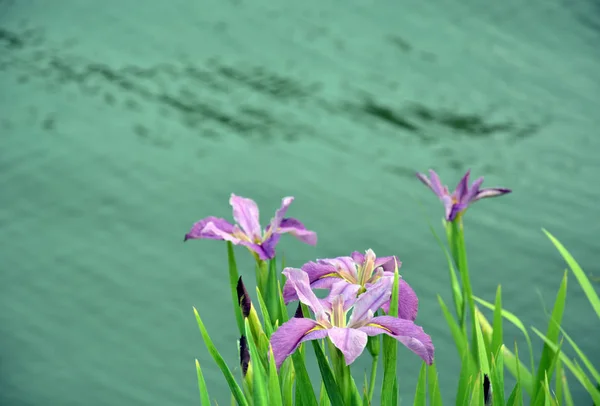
<point>460,257</point>
<point>373,376</point>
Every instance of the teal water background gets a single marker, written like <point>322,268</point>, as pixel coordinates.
<point>123,122</point>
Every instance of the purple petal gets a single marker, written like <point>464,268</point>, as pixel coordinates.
<point>245,213</point>
<point>468,198</point>
<point>351,342</point>
<point>297,229</point>
<point>436,184</point>
<point>358,257</point>
<point>345,267</point>
<point>388,263</point>
<point>342,288</point>
<point>316,275</point>
<point>408,302</point>
<point>298,279</point>
<point>371,300</point>
<point>286,339</point>
<point>405,331</point>
<point>463,187</point>
<point>490,192</point>
<point>455,210</point>
<point>220,229</point>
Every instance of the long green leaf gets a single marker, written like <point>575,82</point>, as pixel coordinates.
<point>421,393</point>
<point>273,293</point>
<point>264,311</point>
<point>582,357</point>
<point>467,374</point>
<point>233,386</point>
<point>304,388</point>
<point>546,360</point>
<point>582,278</point>
<point>433,385</point>
<point>260,379</point>
<point>497,335</point>
<point>477,393</point>
<point>233,281</point>
<point>484,365</point>
<point>497,378</point>
<point>516,322</point>
<point>574,368</point>
<point>275,398</point>
<point>333,391</point>
<point>204,398</point>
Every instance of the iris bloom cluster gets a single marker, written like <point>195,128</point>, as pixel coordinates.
<point>353,293</point>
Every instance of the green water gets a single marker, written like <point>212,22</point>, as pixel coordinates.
<point>122,123</point>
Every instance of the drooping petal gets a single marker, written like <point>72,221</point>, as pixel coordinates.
<point>388,263</point>
<point>351,342</point>
<point>408,302</point>
<point>221,229</point>
<point>286,339</point>
<point>490,192</point>
<point>347,291</point>
<point>298,230</point>
<point>298,279</point>
<point>371,300</point>
<point>405,331</point>
<point>246,214</point>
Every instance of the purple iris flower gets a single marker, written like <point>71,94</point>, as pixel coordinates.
<point>248,231</point>
<point>361,271</point>
<point>348,335</point>
<point>457,202</point>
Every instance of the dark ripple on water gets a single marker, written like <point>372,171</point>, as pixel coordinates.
<point>205,97</point>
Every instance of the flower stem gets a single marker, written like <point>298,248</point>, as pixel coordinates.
<point>373,376</point>
<point>460,257</point>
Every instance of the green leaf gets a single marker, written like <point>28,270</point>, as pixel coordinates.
<point>574,368</point>
<point>458,334</point>
<point>516,397</point>
<point>260,380</point>
<point>516,322</point>
<point>435,395</point>
<point>497,335</point>
<point>282,309</point>
<point>421,393</point>
<point>275,398</point>
<point>265,314</point>
<point>567,392</point>
<point>582,278</point>
<point>390,350</point>
<point>465,380</point>
<point>545,363</point>
<point>582,357</point>
<point>497,378</point>
<point>233,386</point>
<point>477,393</point>
<point>333,391</point>
<point>204,398</point>
<point>304,389</point>
<point>484,366</point>
<point>509,358</point>
<point>233,280</point>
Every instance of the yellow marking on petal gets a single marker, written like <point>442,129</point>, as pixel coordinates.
<point>315,328</point>
<point>330,275</point>
<point>379,326</point>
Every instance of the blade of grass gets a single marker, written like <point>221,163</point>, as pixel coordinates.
<point>304,389</point>
<point>259,376</point>
<point>233,386</point>
<point>333,391</point>
<point>567,391</point>
<point>497,378</point>
<point>516,322</point>
<point>433,385</point>
<point>575,369</point>
<point>421,393</point>
<point>477,393</point>
<point>204,398</point>
<point>264,311</point>
<point>544,365</point>
<point>457,333</point>
<point>233,281</point>
<point>582,357</point>
<point>497,335</point>
<point>275,398</point>
<point>582,278</point>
